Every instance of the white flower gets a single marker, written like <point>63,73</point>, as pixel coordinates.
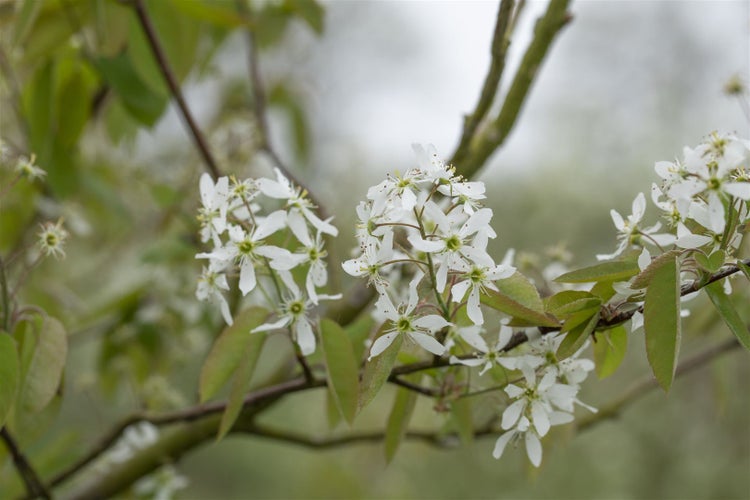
<point>476,278</point>
<point>294,312</point>
<point>25,167</point>
<point>531,440</point>
<point>51,239</point>
<point>488,355</point>
<point>375,254</point>
<point>405,322</point>
<point>630,232</point>
<point>213,214</point>
<point>453,244</point>
<point>210,285</point>
<point>248,248</point>
<point>314,253</point>
<point>297,201</point>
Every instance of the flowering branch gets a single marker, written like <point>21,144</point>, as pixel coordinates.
<point>166,71</point>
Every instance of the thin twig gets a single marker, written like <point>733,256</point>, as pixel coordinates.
<point>166,71</point>
<point>259,108</point>
<point>34,487</point>
<point>649,383</point>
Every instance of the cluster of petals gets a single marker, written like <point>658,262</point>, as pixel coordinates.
<point>546,396</point>
<point>704,197</point>
<point>426,218</point>
<point>233,220</point>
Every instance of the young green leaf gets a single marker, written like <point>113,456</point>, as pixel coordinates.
<point>644,277</point>
<point>661,320</point>
<point>519,288</point>
<point>503,303</point>
<point>341,367</point>
<point>616,270</point>
<point>609,350</point>
<point>398,420</point>
<point>744,268</point>
<point>725,307</point>
<point>228,351</point>
<point>565,303</point>
<point>9,374</point>
<point>241,381</point>
<point>577,335</point>
<point>43,375</point>
<point>377,371</point>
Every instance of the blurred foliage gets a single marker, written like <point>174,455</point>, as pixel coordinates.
<point>80,89</point>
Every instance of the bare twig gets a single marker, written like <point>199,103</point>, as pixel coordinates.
<point>259,108</point>
<point>498,50</point>
<point>34,487</point>
<point>166,71</point>
<point>648,384</point>
<point>492,136</point>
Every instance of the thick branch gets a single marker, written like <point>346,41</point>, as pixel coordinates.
<point>498,50</point>
<point>34,487</point>
<point>493,136</point>
<point>174,88</point>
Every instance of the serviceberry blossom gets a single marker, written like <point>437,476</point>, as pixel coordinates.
<point>51,239</point>
<point>407,321</point>
<point>487,356</point>
<point>294,313</point>
<point>630,231</point>
<point>26,168</point>
<point>245,241</point>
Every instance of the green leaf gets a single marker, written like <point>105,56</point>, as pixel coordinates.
<point>617,270</point>
<point>661,320</point>
<point>142,103</point>
<point>10,373</point>
<point>333,413</point>
<point>75,90</point>
<point>228,352</point>
<point>645,276</point>
<point>42,376</point>
<point>578,318</point>
<point>519,288</point>
<point>725,307</point>
<point>563,304</point>
<point>25,19</point>
<point>241,381</point>
<point>609,350</point>
<point>744,268</point>
<point>341,367</point>
<point>576,336</point>
<point>377,371</point>
<point>398,420</point>
<point>503,303</point>
<point>212,12</point>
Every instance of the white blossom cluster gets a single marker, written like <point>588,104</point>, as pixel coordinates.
<point>545,397</point>
<point>234,221</point>
<point>426,222</point>
<point>703,197</point>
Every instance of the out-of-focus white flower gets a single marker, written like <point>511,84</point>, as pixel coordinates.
<point>210,285</point>
<point>26,167</point>
<point>51,239</point>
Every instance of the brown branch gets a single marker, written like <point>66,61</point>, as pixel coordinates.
<point>171,80</point>
<point>498,50</point>
<point>34,487</point>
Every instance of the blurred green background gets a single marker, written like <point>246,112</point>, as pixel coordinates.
<point>350,88</point>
